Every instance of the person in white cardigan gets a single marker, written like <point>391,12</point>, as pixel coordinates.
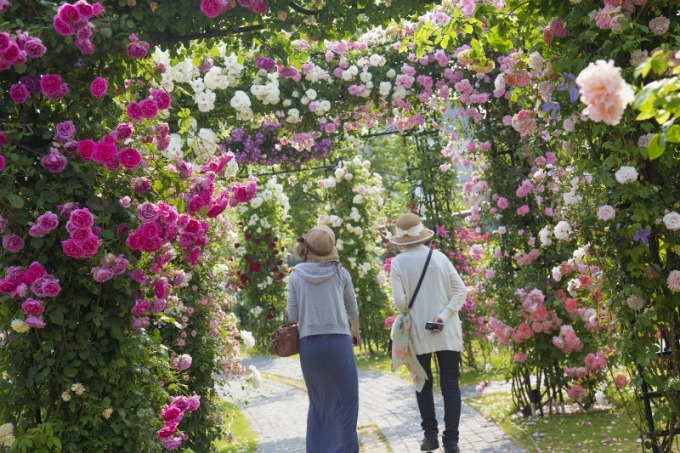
<point>439,299</point>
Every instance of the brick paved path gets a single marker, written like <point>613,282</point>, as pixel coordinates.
<point>277,412</point>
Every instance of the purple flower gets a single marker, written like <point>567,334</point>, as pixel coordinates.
<point>570,86</point>
<point>265,63</point>
<point>642,235</point>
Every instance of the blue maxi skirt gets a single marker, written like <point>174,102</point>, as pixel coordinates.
<point>330,371</point>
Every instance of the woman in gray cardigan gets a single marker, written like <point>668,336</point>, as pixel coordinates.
<point>321,298</point>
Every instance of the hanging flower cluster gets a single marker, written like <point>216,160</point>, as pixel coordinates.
<point>19,282</point>
<point>14,50</point>
<point>75,19</point>
<point>172,415</point>
<point>264,147</point>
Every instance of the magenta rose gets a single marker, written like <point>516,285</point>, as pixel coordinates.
<point>68,13</point>
<point>140,323</point>
<point>170,414</point>
<point>32,307</point>
<point>35,321</point>
<point>63,28</point>
<point>85,9</point>
<point>135,241</point>
<point>2,162</point>
<point>149,231</point>
<point>13,54</point>
<point>5,41</point>
<point>81,218</point>
<point>158,306</point>
<point>102,274</point>
<point>105,151</point>
<point>85,46</point>
<point>90,246</point>
<point>265,63</point>
<point>142,185</point>
<point>152,244</point>
<point>86,148</point>
<point>50,83</point>
<point>211,8</point>
<point>99,86</point>
<point>149,108</point>
<point>134,111</point>
<point>129,157</point>
<point>138,276</point>
<point>162,99</point>
<point>19,93</point>
<point>260,8</point>
<point>34,272</point>
<point>123,131</point>
<point>194,403</point>
<point>167,430</point>
<point>7,285</point>
<point>12,243</point>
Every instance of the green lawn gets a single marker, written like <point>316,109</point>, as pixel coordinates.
<point>575,432</point>
<point>235,423</point>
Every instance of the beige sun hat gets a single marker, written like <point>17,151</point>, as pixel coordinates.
<point>318,246</point>
<point>410,231</point>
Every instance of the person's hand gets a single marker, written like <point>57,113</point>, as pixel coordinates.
<point>355,338</point>
<point>438,320</point>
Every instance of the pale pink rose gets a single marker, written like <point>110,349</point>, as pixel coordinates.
<point>604,92</point>
<point>101,274</point>
<point>575,392</point>
<point>141,307</point>
<point>140,323</point>
<point>673,281</point>
<point>606,212</point>
<point>659,25</point>
<point>35,321</point>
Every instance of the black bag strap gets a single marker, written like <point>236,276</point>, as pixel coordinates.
<point>422,275</point>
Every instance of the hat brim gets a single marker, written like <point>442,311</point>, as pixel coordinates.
<point>424,236</point>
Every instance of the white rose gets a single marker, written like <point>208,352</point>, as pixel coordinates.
<point>626,174</point>
<point>672,220</point>
<point>556,273</point>
<point>311,94</point>
<point>544,236</point>
<point>562,230</point>
<point>391,73</point>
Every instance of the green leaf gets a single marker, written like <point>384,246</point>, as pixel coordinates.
<point>673,134</point>
<point>105,31</point>
<point>57,317</point>
<point>107,234</point>
<point>15,200</point>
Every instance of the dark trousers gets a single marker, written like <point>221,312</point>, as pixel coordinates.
<point>449,362</point>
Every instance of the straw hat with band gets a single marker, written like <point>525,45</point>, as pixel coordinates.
<point>410,231</point>
<point>318,246</point>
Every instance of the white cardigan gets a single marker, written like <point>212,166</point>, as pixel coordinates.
<point>442,293</point>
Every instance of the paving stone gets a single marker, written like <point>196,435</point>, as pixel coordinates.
<point>277,412</point>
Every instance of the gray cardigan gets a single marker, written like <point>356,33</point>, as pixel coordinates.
<point>321,298</point>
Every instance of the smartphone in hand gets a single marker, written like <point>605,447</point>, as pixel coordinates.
<point>434,326</point>
<point>355,341</point>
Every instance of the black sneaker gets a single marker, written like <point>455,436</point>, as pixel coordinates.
<point>429,444</point>
<point>451,449</point>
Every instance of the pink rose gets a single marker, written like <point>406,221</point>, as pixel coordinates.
<point>167,430</point>
<point>2,163</point>
<point>135,241</point>
<point>12,55</point>
<point>129,157</point>
<point>138,276</point>
<point>46,286</point>
<point>211,8</point>
<point>101,274</point>
<point>85,9</point>
<point>35,321</point>
<point>50,83</point>
<point>99,86</point>
<point>158,306</point>
<point>162,99</point>
<point>32,307</point>
<point>105,151</point>
<point>141,307</point>
<point>5,41</point>
<point>140,323</point>
<point>19,93</point>
<point>68,13</point>
<point>142,185</point>
<point>71,248</point>
<point>194,403</point>
<point>171,444</point>
<point>35,48</point>
<point>54,162</point>
<point>81,218</point>
<point>48,221</point>
<point>137,48</point>
<point>147,212</point>
<point>605,93</point>
<point>152,244</point>
<point>12,243</point>
<point>119,265</point>
<point>7,285</point>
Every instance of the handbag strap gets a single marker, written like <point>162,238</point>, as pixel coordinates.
<point>422,275</point>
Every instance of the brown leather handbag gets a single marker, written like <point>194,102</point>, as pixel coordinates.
<point>285,341</point>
